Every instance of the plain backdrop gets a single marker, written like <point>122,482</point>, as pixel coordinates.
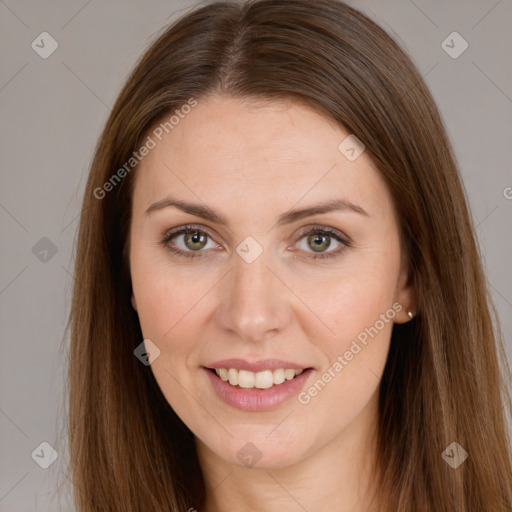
<point>51,114</point>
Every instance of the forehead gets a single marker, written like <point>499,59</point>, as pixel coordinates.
<point>227,148</point>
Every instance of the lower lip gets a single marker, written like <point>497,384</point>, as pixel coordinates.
<point>257,399</point>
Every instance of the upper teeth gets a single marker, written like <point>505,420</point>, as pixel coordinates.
<point>261,380</point>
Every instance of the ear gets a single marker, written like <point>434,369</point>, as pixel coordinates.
<point>134,303</point>
<point>406,296</point>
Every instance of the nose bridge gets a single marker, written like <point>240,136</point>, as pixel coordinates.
<point>254,300</point>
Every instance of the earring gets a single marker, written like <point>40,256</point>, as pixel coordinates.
<point>410,315</point>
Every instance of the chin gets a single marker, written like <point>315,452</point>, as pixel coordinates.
<point>260,453</point>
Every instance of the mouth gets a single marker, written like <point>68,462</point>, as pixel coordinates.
<point>257,391</point>
<point>266,379</point>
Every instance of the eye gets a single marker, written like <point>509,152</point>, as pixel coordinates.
<point>188,241</point>
<point>318,240</point>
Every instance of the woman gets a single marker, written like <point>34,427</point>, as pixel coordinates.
<point>279,303</point>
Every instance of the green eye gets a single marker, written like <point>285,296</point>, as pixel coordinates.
<point>319,240</point>
<point>195,240</point>
<point>189,242</point>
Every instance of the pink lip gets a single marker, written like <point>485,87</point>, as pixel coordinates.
<point>257,399</point>
<point>256,366</point>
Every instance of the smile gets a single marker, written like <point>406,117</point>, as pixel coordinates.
<point>257,391</point>
<point>261,380</point>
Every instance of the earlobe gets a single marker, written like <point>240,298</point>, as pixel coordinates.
<point>406,314</point>
<point>406,297</point>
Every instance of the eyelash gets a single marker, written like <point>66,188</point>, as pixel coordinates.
<point>195,254</point>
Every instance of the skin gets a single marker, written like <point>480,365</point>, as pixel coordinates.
<point>252,161</point>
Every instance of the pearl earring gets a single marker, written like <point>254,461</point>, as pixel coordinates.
<point>410,315</point>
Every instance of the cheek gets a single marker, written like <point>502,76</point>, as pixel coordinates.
<point>355,305</point>
<point>357,320</point>
<point>169,308</point>
<point>353,357</point>
<point>360,318</point>
<point>165,297</point>
<point>349,301</point>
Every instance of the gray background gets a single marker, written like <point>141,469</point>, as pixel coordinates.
<point>52,111</point>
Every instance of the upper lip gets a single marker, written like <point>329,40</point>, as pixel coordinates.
<point>256,366</point>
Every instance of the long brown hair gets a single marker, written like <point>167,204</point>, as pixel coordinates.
<point>442,382</point>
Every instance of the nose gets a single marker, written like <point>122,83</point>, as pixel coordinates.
<point>255,303</point>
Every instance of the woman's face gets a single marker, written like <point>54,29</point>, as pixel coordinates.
<point>242,281</point>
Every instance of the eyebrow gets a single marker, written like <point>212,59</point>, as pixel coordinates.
<point>207,213</point>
